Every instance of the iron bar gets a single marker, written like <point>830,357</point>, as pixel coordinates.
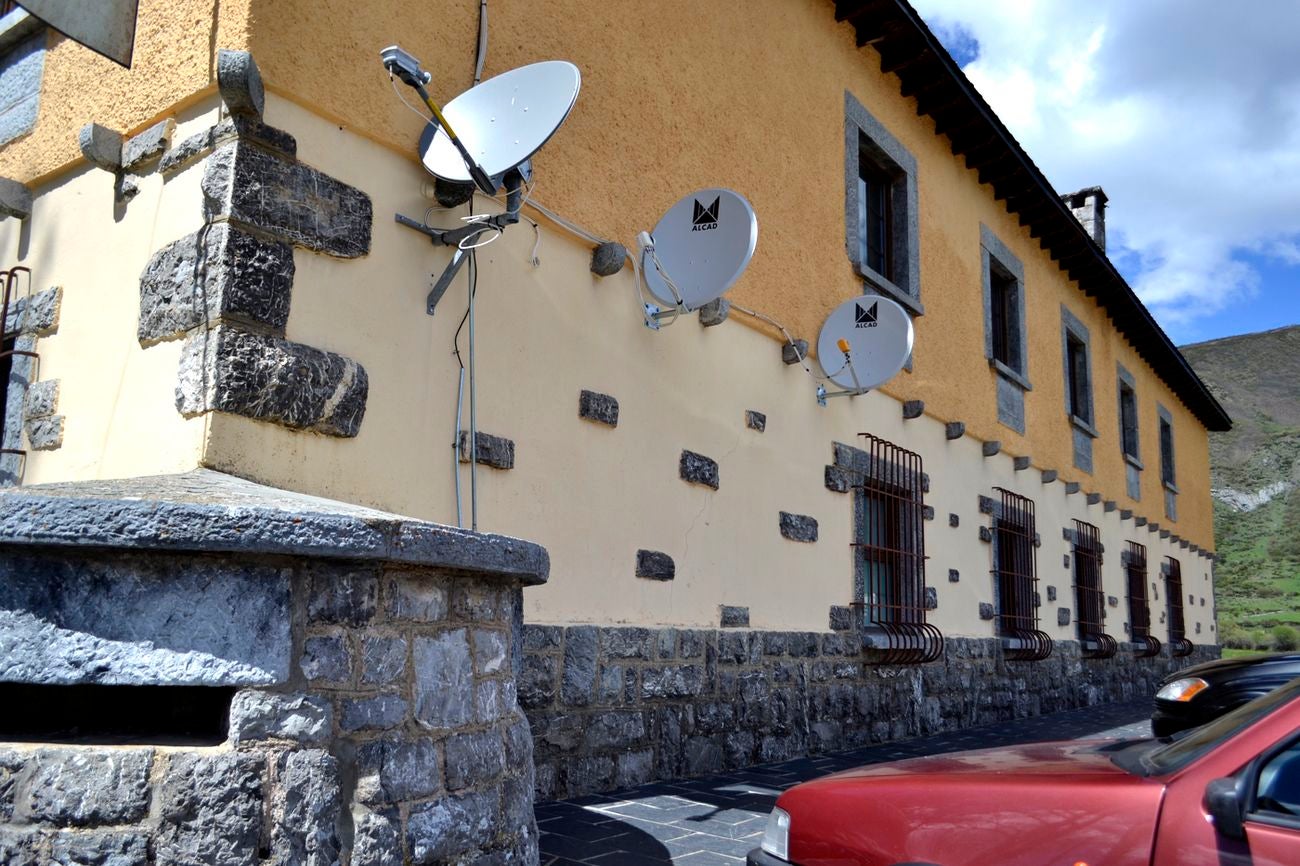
<point>1145,644</point>
<point>1179,645</point>
<point>1089,597</point>
<point>1015,574</point>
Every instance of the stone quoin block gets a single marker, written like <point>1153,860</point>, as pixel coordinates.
<point>954,430</point>
<point>1093,498</point>
<point>837,480</point>
<point>1112,600</point>
<point>755,420</point>
<point>931,598</point>
<point>1051,593</point>
<point>497,452</point>
<point>698,469</point>
<point>986,610</point>
<point>1021,463</point>
<point>715,312</point>
<point>101,146</point>
<point>1071,487</point>
<point>913,409</point>
<point>1109,505</point>
<point>985,504</point>
<point>733,616</point>
<point>1125,514</point>
<point>601,408</point>
<point>240,83</point>
<point>267,378</point>
<point>986,534</point>
<point>1139,521</point>
<point>288,200</point>
<point>927,512</point>
<point>954,520</point>
<point>44,434</point>
<point>991,448</point>
<point>144,147</point>
<point>794,351</point>
<point>953,575</point>
<point>1049,475</point>
<point>1062,616</point>
<point>218,273</point>
<point>15,199</point>
<point>607,259</point>
<point>655,565</point>
<point>798,527</point>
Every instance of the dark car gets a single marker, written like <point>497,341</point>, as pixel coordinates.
<point>1224,794</point>
<point>1195,695</point>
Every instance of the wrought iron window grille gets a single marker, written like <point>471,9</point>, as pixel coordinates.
<point>1089,597</point>
<point>1015,579</point>
<point>1179,645</point>
<point>1145,644</point>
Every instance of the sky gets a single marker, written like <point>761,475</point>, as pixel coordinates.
<point>1187,112</point>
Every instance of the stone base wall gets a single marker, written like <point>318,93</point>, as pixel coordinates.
<point>373,717</point>
<point>617,706</point>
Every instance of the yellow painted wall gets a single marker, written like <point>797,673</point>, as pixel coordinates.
<point>174,64</point>
<point>741,94</point>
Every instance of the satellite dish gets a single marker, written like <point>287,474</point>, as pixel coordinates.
<point>106,27</point>
<point>703,243</point>
<point>865,342</point>
<point>503,121</point>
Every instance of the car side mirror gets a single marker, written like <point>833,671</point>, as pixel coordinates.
<point>1225,807</point>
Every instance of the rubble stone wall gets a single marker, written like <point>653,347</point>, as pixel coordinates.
<point>612,707</point>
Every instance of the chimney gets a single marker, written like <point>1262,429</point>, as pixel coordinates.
<point>1089,206</point>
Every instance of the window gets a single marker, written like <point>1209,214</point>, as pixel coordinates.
<point>1139,611</point>
<point>1179,645</point>
<point>889,586</point>
<point>1166,452</point>
<point>882,231</point>
<point>1128,422</point>
<point>1076,372</point>
<point>1015,577</point>
<point>1089,598</point>
<point>1004,327</point>
<point>1004,305</point>
<point>1078,387</point>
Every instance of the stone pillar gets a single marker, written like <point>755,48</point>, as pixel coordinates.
<point>356,665</point>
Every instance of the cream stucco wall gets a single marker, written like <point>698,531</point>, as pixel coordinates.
<point>594,495</point>
<point>120,418</point>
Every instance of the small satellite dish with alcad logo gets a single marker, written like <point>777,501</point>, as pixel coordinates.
<point>699,248</point>
<point>864,343</point>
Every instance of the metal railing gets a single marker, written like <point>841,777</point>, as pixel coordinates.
<point>1015,574</point>
<point>1179,645</point>
<point>1139,610</point>
<point>889,585</point>
<point>1089,598</point>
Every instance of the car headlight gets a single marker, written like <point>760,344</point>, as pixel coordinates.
<point>776,838</point>
<point>1182,690</point>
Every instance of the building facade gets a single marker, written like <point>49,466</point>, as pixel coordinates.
<point>1019,521</point>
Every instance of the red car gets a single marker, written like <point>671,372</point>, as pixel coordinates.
<point>1224,794</point>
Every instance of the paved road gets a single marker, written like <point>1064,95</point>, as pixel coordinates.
<point>715,821</point>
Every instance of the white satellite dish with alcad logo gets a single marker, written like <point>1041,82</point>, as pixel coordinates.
<point>863,344</point>
<point>699,248</point>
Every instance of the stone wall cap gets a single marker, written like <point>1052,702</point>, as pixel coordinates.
<point>208,511</point>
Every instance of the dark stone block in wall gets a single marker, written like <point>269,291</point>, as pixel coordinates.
<point>217,273</point>
<point>954,520</point>
<point>838,480</point>
<point>608,259</point>
<point>913,409</point>
<point>715,312</point>
<point>1109,505</point>
<point>1049,475</point>
<point>288,200</point>
<point>579,675</point>
<point>1062,616</point>
<point>986,534</point>
<point>841,617</point>
<point>271,379</point>
<point>1125,513</point>
<point>986,505</point>
<point>931,598</point>
<point>1071,487</point>
<point>495,451</point>
<point>146,146</point>
<point>15,199</point>
<point>698,469</point>
<point>954,430</point>
<point>1139,521</point>
<point>601,408</point>
<point>953,575</point>
<point>927,512</point>
<point>794,352</point>
<point>733,616</point>
<point>755,420</point>
<point>240,83</point>
<point>1093,498</point>
<point>991,448</point>
<point>1065,560</point>
<point>1051,593</point>
<point>986,610</point>
<point>798,527</point>
<point>1021,463</point>
<point>655,565</point>
<point>1112,600</point>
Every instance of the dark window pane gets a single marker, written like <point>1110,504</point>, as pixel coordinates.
<point>1128,420</point>
<point>1004,313</point>
<point>1166,452</point>
<point>875,194</point>
<point>1076,358</point>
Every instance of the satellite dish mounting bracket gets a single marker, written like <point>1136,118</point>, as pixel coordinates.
<point>514,181</point>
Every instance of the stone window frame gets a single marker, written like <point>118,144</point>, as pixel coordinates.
<point>20,31</point>
<point>864,135</point>
<point>1012,382</point>
<point>1168,481</point>
<point>1082,429</point>
<point>1125,381</point>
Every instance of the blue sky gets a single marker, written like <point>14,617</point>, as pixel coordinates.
<point>1187,112</point>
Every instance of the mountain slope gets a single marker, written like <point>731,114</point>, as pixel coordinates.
<point>1255,476</point>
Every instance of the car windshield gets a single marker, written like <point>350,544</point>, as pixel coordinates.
<point>1170,757</point>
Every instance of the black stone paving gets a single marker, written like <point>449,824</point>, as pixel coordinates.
<point>717,820</point>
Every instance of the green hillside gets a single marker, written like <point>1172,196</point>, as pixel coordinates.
<point>1255,472</point>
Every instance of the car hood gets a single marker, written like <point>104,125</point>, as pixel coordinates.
<point>1056,800</point>
<point>1287,665</point>
<point>1072,758</point>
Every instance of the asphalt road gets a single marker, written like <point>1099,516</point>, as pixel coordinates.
<point>715,821</point>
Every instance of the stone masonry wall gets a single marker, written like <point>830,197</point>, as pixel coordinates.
<point>374,717</point>
<point>612,707</point>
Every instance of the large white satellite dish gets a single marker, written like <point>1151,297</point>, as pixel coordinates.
<point>702,244</point>
<point>503,121</point>
<point>864,342</point>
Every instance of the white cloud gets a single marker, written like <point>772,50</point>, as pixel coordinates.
<point>1186,111</point>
